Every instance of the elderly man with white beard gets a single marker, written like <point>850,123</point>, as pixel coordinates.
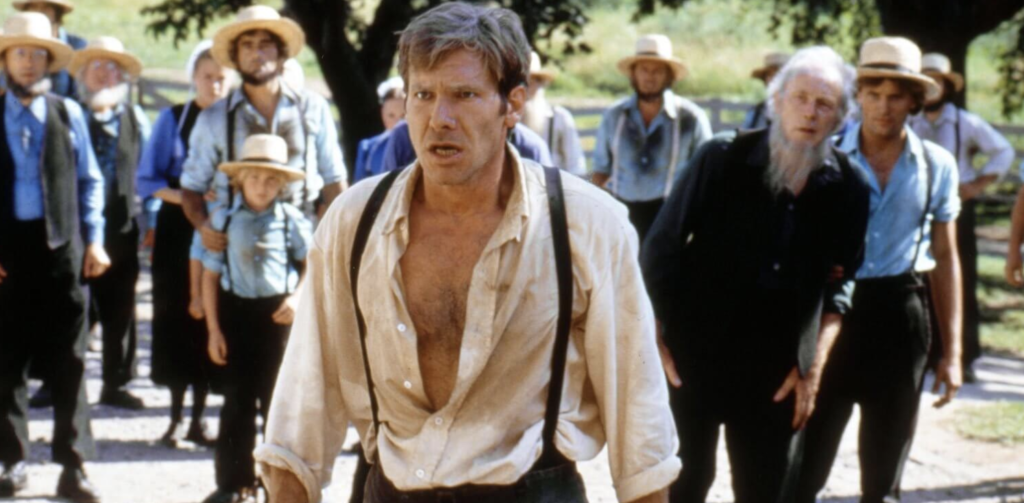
<point>749,266</point>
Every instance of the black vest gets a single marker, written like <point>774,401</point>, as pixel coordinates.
<point>120,208</point>
<point>58,174</point>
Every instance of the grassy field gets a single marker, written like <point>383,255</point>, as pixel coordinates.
<point>1002,329</point>
<point>1000,422</point>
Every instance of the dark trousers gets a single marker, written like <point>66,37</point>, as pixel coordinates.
<point>877,363</point>
<point>42,312</point>
<point>113,295</point>
<point>967,246</point>
<point>255,349</point>
<point>561,484</point>
<point>642,215</point>
<point>764,450</point>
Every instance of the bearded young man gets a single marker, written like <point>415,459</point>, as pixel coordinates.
<point>495,303</point>
<point>51,199</point>
<point>257,44</point>
<point>749,265</point>
<point>644,142</point>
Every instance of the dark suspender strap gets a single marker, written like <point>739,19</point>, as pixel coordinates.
<point>231,150</point>
<point>287,251</point>
<point>366,220</point>
<point>551,131</point>
<point>227,261</point>
<point>563,272</point>
<point>956,129</point>
<point>927,204</point>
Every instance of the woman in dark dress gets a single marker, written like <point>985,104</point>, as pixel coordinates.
<point>179,357</point>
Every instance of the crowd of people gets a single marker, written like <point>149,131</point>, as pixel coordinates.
<point>485,308</point>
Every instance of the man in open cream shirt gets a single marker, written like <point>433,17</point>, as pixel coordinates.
<point>458,289</point>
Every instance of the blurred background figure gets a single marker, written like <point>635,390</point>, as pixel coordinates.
<point>757,116</point>
<point>370,156</point>
<point>553,123</point>
<point>55,10</point>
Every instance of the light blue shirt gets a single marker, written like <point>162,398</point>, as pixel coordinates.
<point>895,218</point>
<point>637,157</point>
<point>259,254</point>
<point>300,116</point>
<point>25,128</point>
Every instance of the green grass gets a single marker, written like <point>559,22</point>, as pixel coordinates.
<point>1001,422</point>
<point>1002,327</point>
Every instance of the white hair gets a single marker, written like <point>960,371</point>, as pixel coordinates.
<point>818,60</point>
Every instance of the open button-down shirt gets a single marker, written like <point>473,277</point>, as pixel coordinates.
<point>638,157</point>
<point>489,432</point>
<point>894,226</point>
<point>302,118</point>
<point>976,137</point>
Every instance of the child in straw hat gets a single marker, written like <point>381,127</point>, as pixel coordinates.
<point>249,299</point>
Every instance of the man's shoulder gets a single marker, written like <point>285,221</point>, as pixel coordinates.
<point>586,205</point>
<point>687,106</point>
<point>940,158</point>
<point>342,218</point>
<point>618,108</point>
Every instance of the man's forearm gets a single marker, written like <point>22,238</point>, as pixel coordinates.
<point>331,191</point>
<point>1017,222</point>
<point>830,325</point>
<point>600,179</point>
<point>284,486</point>
<point>947,297</point>
<point>194,206</point>
<point>655,497</point>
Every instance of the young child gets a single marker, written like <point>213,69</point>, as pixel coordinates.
<point>249,301</point>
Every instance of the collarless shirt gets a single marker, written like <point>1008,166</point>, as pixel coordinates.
<point>894,227</point>
<point>643,153</point>
<point>319,157</point>
<point>25,127</point>
<point>489,432</point>
<point>105,136</point>
<point>262,249</point>
<point>976,137</point>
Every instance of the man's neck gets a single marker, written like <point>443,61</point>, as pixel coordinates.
<point>934,115</point>
<point>872,144</point>
<point>649,109</point>
<point>489,189</point>
<point>264,97</point>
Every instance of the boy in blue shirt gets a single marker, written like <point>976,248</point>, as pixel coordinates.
<point>248,296</point>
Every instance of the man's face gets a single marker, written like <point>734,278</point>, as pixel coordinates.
<point>885,108</point>
<point>26,64</point>
<point>392,111</point>
<point>651,78</point>
<point>258,58</point>
<point>937,77</point>
<point>457,121</point>
<point>48,10</point>
<point>535,84</point>
<point>102,73</point>
<point>809,108</point>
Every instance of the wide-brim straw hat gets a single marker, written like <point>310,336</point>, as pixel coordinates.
<point>257,17</point>
<point>538,71</point>
<point>938,64</point>
<point>263,151</point>
<point>895,58</point>
<point>654,47</point>
<point>33,28</point>
<point>106,48</point>
<point>772,61</point>
<point>60,4</point>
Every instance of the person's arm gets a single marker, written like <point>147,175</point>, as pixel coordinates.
<point>572,150</point>
<point>299,239</point>
<point>197,175</point>
<point>806,386</point>
<point>1014,264</point>
<point>195,289</point>
<point>603,155</point>
<point>947,295</point>
<point>330,161</point>
<point>91,199</point>
<point>157,158</point>
<point>217,346</point>
<point>660,496</point>
<point>994,145</point>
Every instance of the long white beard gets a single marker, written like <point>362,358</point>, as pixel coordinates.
<point>108,98</point>
<point>791,163</point>
<point>535,113</point>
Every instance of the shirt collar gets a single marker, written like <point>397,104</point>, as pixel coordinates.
<point>668,101</point>
<point>240,205</point>
<point>948,113</point>
<point>37,107</point>
<point>517,211</point>
<point>62,34</point>
<point>851,142</point>
<point>238,96</point>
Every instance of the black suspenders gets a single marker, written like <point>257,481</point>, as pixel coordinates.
<point>563,271</point>
<point>927,205</point>
<point>287,251</point>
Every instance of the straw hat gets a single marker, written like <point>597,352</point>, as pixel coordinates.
<point>934,63</point>
<point>895,58</point>
<point>264,151</point>
<point>257,17</point>
<point>654,47</point>
<point>65,5</point>
<point>537,71</point>
<point>105,48</point>
<point>33,28</point>
<point>772,61</point>
<point>388,86</point>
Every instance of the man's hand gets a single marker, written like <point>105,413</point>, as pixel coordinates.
<point>947,372</point>
<point>96,261</point>
<point>195,308</point>
<point>806,391</point>
<point>667,361</point>
<point>971,190</point>
<point>286,313</point>
<point>149,239</point>
<point>284,487</point>
<point>1014,269</point>
<point>213,240</point>
<point>655,497</point>
<point>3,273</point>
<point>217,347</point>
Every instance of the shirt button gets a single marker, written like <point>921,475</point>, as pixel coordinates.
<point>407,384</point>
<point>421,473</point>
<point>790,206</point>
<point>776,266</point>
<point>643,160</point>
<point>438,421</point>
<point>875,235</point>
<point>402,327</point>
<point>871,265</point>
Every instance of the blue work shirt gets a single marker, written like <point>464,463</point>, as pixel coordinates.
<point>260,256</point>
<point>894,224</point>
<point>25,128</point>
<point>300,116</point>
<point>399,152</point>
<point>106,134</point>
<point>160,164</point>
<point>638,157</point>
<point>370,156</point>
